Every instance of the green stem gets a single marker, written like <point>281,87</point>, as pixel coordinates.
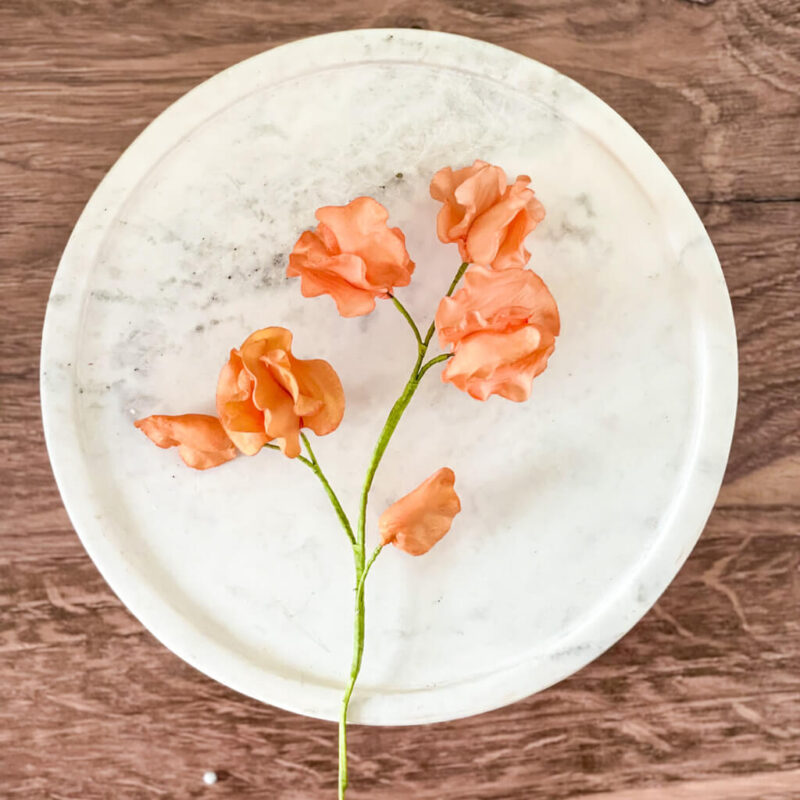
<point>460,274</point>
<point>355,668</point>
<point>314,466</point>
<point>363,566</point>
<point>380,448</point>
<point>400,406</point>
<point>437,360</point>
<point>402,309</point>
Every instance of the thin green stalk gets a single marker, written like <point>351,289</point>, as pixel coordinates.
<point>314,466</point>
<point>460,274</point>
<point>380,448</point>
<point>355,668</point>
<point>402,309</point>
<point>437,360</point>
<point>400,406</point>
<point>362,566</point>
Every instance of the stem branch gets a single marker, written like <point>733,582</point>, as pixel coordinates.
<point>402,309</point>
<point>314,466</point>
<point>355,668</point>
<point>460,274</point>
<point>359,541</point>
<point>437,360</point>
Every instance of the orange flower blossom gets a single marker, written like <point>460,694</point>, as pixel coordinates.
<point>200,439</point>
<point>502,328</point>
<point>420,519</point>
<point>352,255</point>
<point>487,218</point>
<point>265,393</point>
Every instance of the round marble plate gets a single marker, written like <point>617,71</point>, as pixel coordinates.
<point>579,506</point>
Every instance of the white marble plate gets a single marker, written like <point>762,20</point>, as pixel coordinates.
<point>579,506</point>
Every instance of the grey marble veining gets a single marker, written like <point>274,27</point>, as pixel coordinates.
<point>578,506</point>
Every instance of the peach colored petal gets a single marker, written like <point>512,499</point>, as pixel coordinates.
<point>512,251</point>
<point>242,421</point>
<point>318,379</point>
<point>234,398</point>
<point>248,443</point>
<point>280,421</point>
<point>497,235</point>
<point>272,338</point>
<point>201,440</point>
<point>280,365</point>
<point>360,228</point>
<point>478,194</point>
<point>465,193</point>
<point>389,266</point>
<point>490,362</point>
<point>501,326</point>
<point>420,519</point>
<point>259,351</point>
<point>342,276</point>
<point>353,256</point>
<point>496,300</point>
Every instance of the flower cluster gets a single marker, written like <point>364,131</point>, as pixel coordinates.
<point>264,394</point>
<point>497,331</point>
<point>501,326</point>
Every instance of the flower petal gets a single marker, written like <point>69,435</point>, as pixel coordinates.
<point>360,228</point>
<point>318,379</point>
<point>354,222</point>
<point>280,421</point>
<point>504,226</point>
<point>281,366</point>
<point>242,421</point>
<point>512,252</point>
<point>323,269</point>
<point>264,393</point>
<point>200,438</point>
<point>496,300</point>
<point>465,193</point>
<point>491,362</point>
<point>420,519</point>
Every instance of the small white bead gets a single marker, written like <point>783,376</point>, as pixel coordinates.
<point>209,778</point>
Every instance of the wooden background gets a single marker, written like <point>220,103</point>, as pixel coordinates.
<point>700,700</point>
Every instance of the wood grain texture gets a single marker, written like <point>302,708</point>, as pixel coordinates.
<point>700,700</point>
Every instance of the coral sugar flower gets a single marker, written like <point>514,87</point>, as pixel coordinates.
<point>488,219</point>
<point>265,393</point>
<point>352,255</point>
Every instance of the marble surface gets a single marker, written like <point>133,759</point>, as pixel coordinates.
<point>578,506</point>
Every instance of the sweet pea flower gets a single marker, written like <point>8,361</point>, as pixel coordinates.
<point>201,440</point>
<point>264,393</point>
<point>420,519</point>
<point>487,218</point>
<point>501,327</point>
<point>352,255</point>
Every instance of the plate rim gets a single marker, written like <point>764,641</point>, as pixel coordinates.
<point>430,704</point>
